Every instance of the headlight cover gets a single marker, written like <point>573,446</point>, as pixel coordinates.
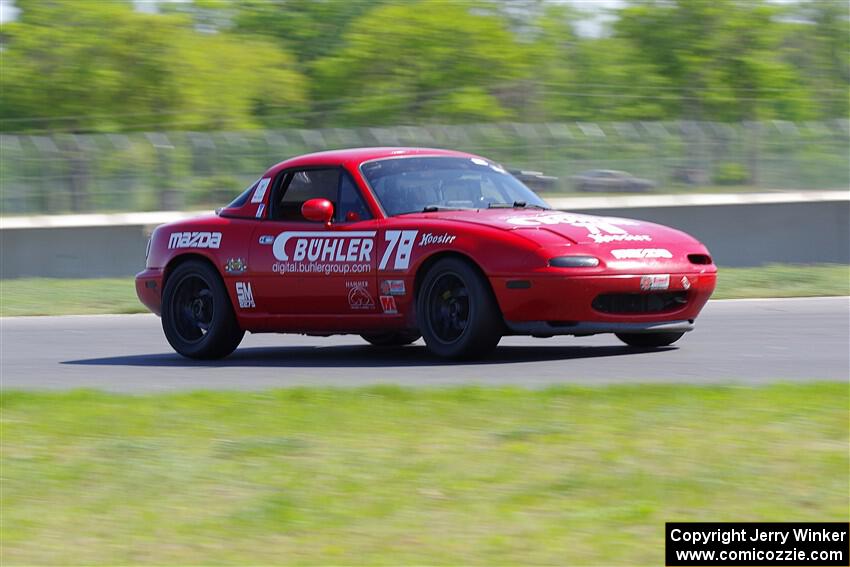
<point>574,262</point>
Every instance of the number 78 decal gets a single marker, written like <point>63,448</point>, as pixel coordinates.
<point>400,241</point>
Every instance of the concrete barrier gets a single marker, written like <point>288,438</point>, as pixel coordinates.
<point>78,246</point>
<point>740,230</point>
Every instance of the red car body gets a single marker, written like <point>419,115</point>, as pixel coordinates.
<point>363,276</point>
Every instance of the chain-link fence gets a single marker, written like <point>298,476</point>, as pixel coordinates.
<point>139,171</point>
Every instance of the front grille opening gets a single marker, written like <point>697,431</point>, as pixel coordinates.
<point>699,258</point>
<point>654,302</point>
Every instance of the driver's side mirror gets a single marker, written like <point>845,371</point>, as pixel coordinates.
<point>318,210</point>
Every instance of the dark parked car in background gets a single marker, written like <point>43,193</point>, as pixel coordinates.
<point>611,181</point>
<point>535,180</point>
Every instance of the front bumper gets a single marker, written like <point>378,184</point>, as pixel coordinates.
<point>549,328</point>
<point>551,302</point>
<point>149,289</point>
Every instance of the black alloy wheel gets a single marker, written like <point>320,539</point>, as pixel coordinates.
<point>192,308</point>
<point>448,307</point>
<point>197,316</point>
<point>457,313</point>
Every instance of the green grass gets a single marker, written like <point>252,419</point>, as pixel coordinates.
<point>396,476</point>
<point>49,296</point>
<point>45,296</point>
<point>783,280</point>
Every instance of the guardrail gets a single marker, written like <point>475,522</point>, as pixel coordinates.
<point>739,229</point>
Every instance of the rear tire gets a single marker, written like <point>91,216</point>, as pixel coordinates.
<point>391,339</point>
<point>649,340</point>
<point>456,311</point>
<point>197,316</point>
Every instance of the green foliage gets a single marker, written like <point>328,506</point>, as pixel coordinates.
<point>730,173</point>
<point>66,65</point>
<point>817,42</point>
<point>413,63</point>
<point>220,91</point>
<point>103,66</point>
<point>307,28</point>
<point>720,57</point>
<point>213,191</point>
<point>91,65</point>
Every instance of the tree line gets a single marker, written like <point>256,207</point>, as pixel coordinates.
<point>106,66</point>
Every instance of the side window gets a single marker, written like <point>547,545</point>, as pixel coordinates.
<point>301,186</point>
<point>331,184</point>
<point>243,197</point>
<point>351,207</point>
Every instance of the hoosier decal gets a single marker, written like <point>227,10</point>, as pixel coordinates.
<point>444,238</point>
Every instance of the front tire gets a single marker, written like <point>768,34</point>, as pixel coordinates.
<point>456,311</point>
<point>391,339</point>
<point>649,340</point>
<point>197,316</point>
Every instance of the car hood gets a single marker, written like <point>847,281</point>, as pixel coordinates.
<point>543,225</point>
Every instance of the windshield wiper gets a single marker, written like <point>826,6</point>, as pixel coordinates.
<point>435,208</point>
<point>515,205</point>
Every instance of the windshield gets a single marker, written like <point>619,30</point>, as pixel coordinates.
<point>409,185</point>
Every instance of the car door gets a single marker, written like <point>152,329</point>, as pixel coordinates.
<point>312,269</point>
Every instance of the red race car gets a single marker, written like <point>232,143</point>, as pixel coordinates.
<point>394,243</point>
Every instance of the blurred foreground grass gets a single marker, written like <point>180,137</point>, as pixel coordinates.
<point>396,476</point>
<point>47,296</point>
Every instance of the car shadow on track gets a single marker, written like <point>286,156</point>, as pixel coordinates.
<point>356,356</point>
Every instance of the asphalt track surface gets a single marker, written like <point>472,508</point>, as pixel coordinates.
<point>738,341</point>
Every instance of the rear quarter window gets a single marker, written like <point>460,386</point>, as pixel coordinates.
<point>243,197</point>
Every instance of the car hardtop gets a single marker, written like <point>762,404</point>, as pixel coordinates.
<point>351,159</point>
<point>354,157</point>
